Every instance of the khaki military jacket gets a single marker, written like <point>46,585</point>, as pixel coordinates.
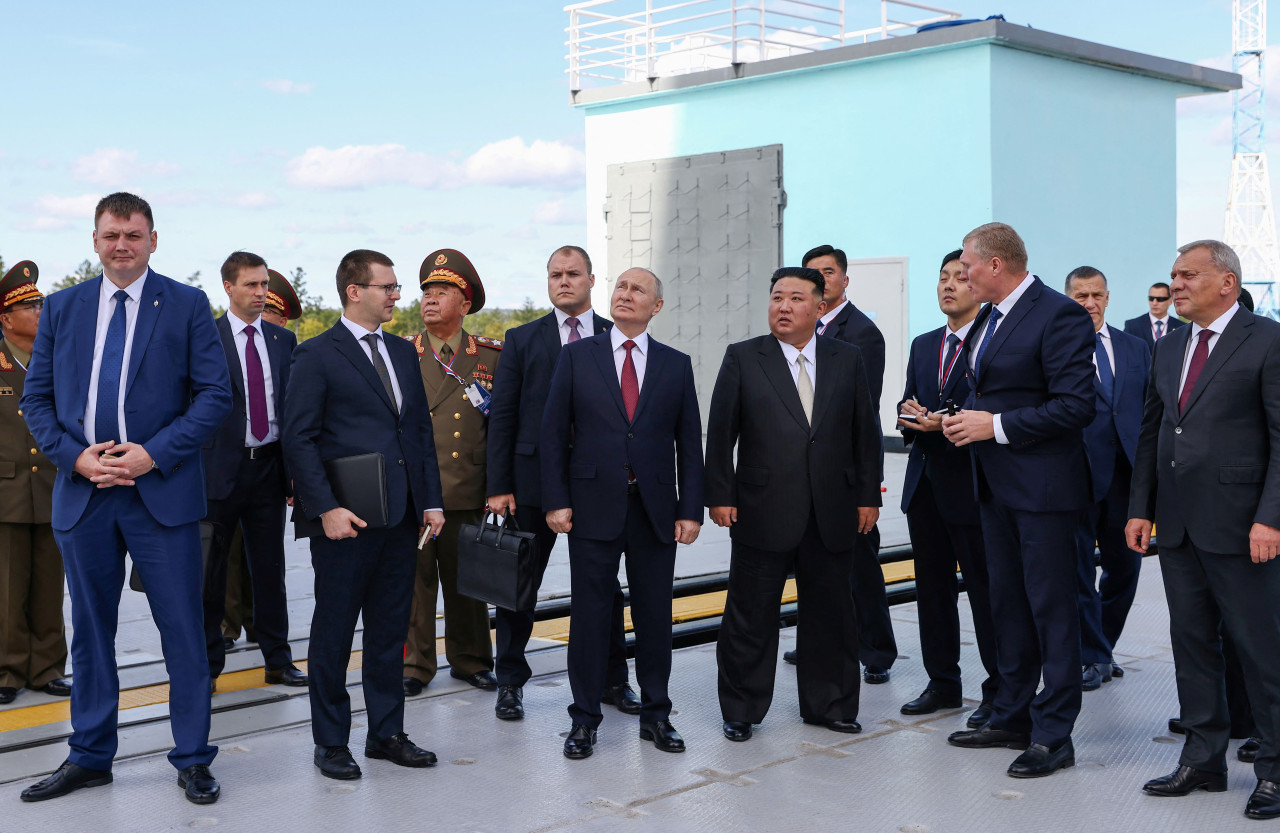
<point>26,475</point>
<point>460,429</point>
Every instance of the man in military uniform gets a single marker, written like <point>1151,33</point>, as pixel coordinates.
<point>33,645</point>
<point>457,370</point>
<point>282,306</point>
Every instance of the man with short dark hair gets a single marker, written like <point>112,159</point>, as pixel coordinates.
<point>798,411</point>
<point>245,478</point>
<point>355,391</point>
<point>126,383</point>
<point>1120,384</point>
<point>1208,472</point>
<point>1157,323</point>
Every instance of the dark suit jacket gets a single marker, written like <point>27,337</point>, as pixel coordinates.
<point>662,444</point>
<point>785,467</point>
<point>1141,327</point>
<point>335,406</point>
<point>1037,372</point>
<point>176,394</point>
<point>1214,471</point>
<point>225,450</point>
<point>1120,419</point>
<point>520,386</point>
<point>852,326</point>
<point>949,469</point>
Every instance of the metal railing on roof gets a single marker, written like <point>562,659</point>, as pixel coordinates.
<point>617,41</point>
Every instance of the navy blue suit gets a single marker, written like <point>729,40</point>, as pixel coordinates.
<point>176,394</point>
<point>520,389</point>
<point>249,489</point>
<point>1111,441</point>
<point>1037,372</point>
<point>1141,327</point>
<point>945,527</point>
<point>336,407</point>
<point>661,447</point>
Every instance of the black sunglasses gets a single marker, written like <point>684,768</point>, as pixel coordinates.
<point>1157,297</point>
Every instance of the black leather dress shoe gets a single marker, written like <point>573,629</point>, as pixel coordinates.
<point>7,694</point>
<point>1175,726</point>
<point>871,675</point>
<point>789,657</point>
<point>1185,780</point>
<point>931,701</point>
<point>1040,760</point>
<point>412,687</point>
<point>988,736</point>
<point>289,675</point>
<point>622,698</point>
<point>200,785</point>
<point>482,679</point>
<point>663,735</point>
<point>579,742</point>
<point>1094,675</point>
<point>61,687</point>
<point>336,762</point>
<point>1116,671</point>
<point>848,727</point>
<point>1248,751</point>
<point>398,749</point>
<point>981,716</point>
<point>1265,801</point>
<point>510,705</point>
<point>737,730</point>
<point>66,779</point>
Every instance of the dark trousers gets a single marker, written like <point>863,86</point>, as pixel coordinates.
<point>370,574</point>
<point>1104,608</point>
<point>827,671</point>
<point>514,627</point>
<point>876,645</point>
<point>33,636</point>
<point>938,547</point>
<point>238,613</point>
<point>168,560</point>
<point>1206,590</point>
<point>1032,563</point>
<point>256,504</point>
<point>593,567</point>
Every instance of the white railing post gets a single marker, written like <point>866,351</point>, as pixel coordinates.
<point>760,55</point>
<point>733,32</point>
<point>648,39</point>
<point>574,80</point>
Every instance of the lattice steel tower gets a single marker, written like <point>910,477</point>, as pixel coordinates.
<point>1251,224</point>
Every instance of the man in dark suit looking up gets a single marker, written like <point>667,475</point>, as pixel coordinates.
<point>1208,473</point>
<point>514,475</point>
<point>1158,323</point>
<point>842,320</point>
<point>1120,384</point>
<point>1031,352</point>
<point>126,383</point>
<point>245,480</point>
<point>942,515</point>
<point>355,391</point>
<point>797,408</point>
<point>629,482</point>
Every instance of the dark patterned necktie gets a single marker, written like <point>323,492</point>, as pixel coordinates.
<point>258,422</point>
<point>1198,358</point>
<point>630,382</point>
<point>381,366</point>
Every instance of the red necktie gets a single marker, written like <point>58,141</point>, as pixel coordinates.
<point>574,335</point>
<point>258,423</point>
<point>1198,358</point>
<point>630,383</point>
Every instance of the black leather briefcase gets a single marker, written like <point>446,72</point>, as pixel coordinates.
<point>208,531</point>
<point>498,564</point>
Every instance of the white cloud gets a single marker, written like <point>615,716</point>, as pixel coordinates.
<point>71,208</point>
<point>359,166</point>
<point>559,213</point>
<point>284,86</point>
<point>114,167</point>
<point>254,199</point>
<point>43,224</point>
<point>511,162</point>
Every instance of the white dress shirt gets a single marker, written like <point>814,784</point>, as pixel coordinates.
<point>831,315</point>
<point>241,339</point>
<point>585,324</point>
<point>1105,332</point>
<point>810,353</point>
<point>1218,325</point>
<point>1164,325</point>
<point>1006,306</point>
<point>106,309</point>
<point>360,332</point>
<point>962,334</point>
<point>638,354</point>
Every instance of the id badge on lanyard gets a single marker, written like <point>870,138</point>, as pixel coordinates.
<point>478,396</point>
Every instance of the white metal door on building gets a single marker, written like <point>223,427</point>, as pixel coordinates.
<point>878,287</point>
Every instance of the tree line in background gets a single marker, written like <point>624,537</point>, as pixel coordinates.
<point>316,317</point>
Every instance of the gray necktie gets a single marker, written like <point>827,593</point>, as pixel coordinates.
<point>381,366</point>
<point>804,385</point>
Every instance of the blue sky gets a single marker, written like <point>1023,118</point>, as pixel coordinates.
<point>302,130</point>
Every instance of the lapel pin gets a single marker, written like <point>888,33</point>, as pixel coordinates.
<point>155,303</point>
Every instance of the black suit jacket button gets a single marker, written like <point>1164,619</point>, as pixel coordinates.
<point>979,395</point>
<point>631,436</point>
<point>399,430</point>
<point>400,462</point>
<point>1177,430</point>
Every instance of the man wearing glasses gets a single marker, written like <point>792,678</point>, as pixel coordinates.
<point>1157,323</point>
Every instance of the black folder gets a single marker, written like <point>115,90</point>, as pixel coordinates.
<point>359,483</point>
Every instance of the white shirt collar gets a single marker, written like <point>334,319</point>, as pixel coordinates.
<point>238,326</point>
<point>1164,320</point>
<point>109,289</point>
<point>616,337</point>
<point>1007,305</point>
<point>1218,324</point>
<point>962,333</point>
<point>1105,332</point>
<point>832,313</point>
<point>810,351</point>
<point>584,319</point>
<point>358,330</point>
